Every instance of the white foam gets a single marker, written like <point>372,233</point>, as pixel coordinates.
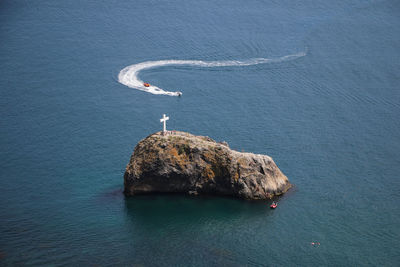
<point>129,75</point>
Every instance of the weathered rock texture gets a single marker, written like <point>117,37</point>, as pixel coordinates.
<point>183,163</point>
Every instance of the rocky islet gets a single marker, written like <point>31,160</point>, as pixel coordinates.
<point>179,162</point>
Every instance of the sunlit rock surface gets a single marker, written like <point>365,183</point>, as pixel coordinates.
<point>180,162</point>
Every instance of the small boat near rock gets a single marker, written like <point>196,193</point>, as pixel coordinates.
<point>274,205</point>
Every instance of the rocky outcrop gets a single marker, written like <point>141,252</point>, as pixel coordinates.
<point>180,162</point>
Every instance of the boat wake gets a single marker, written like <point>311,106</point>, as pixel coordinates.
<point>129,75</point>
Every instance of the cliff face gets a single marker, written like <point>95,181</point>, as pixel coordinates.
<point>183,163</point>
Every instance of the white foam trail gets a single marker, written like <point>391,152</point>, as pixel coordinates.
<point>129,75</point>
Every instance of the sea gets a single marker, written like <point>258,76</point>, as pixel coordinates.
<point>314,84</point>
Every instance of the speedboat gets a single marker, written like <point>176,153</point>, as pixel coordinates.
<point>179,93</point>
<point>146,85</point>
<point>274,205</point>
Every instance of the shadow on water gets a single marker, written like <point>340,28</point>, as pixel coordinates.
<point>156,209</point>
<point>202,226</point>
<point>177,229</point>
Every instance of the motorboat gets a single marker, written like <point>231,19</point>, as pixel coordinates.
<point>274,205</point>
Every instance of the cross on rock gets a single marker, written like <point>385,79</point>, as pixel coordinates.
<point>164,120</point>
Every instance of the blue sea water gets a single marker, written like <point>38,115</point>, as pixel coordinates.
<point>329,119</point>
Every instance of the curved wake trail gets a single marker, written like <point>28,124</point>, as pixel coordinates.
<point>129,75</point>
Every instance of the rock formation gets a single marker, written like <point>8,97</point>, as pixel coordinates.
<point>180,162</point>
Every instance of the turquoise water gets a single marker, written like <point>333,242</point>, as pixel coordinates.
<point>330,120</point>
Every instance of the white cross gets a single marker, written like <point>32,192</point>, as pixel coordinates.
<point>164,120</point>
